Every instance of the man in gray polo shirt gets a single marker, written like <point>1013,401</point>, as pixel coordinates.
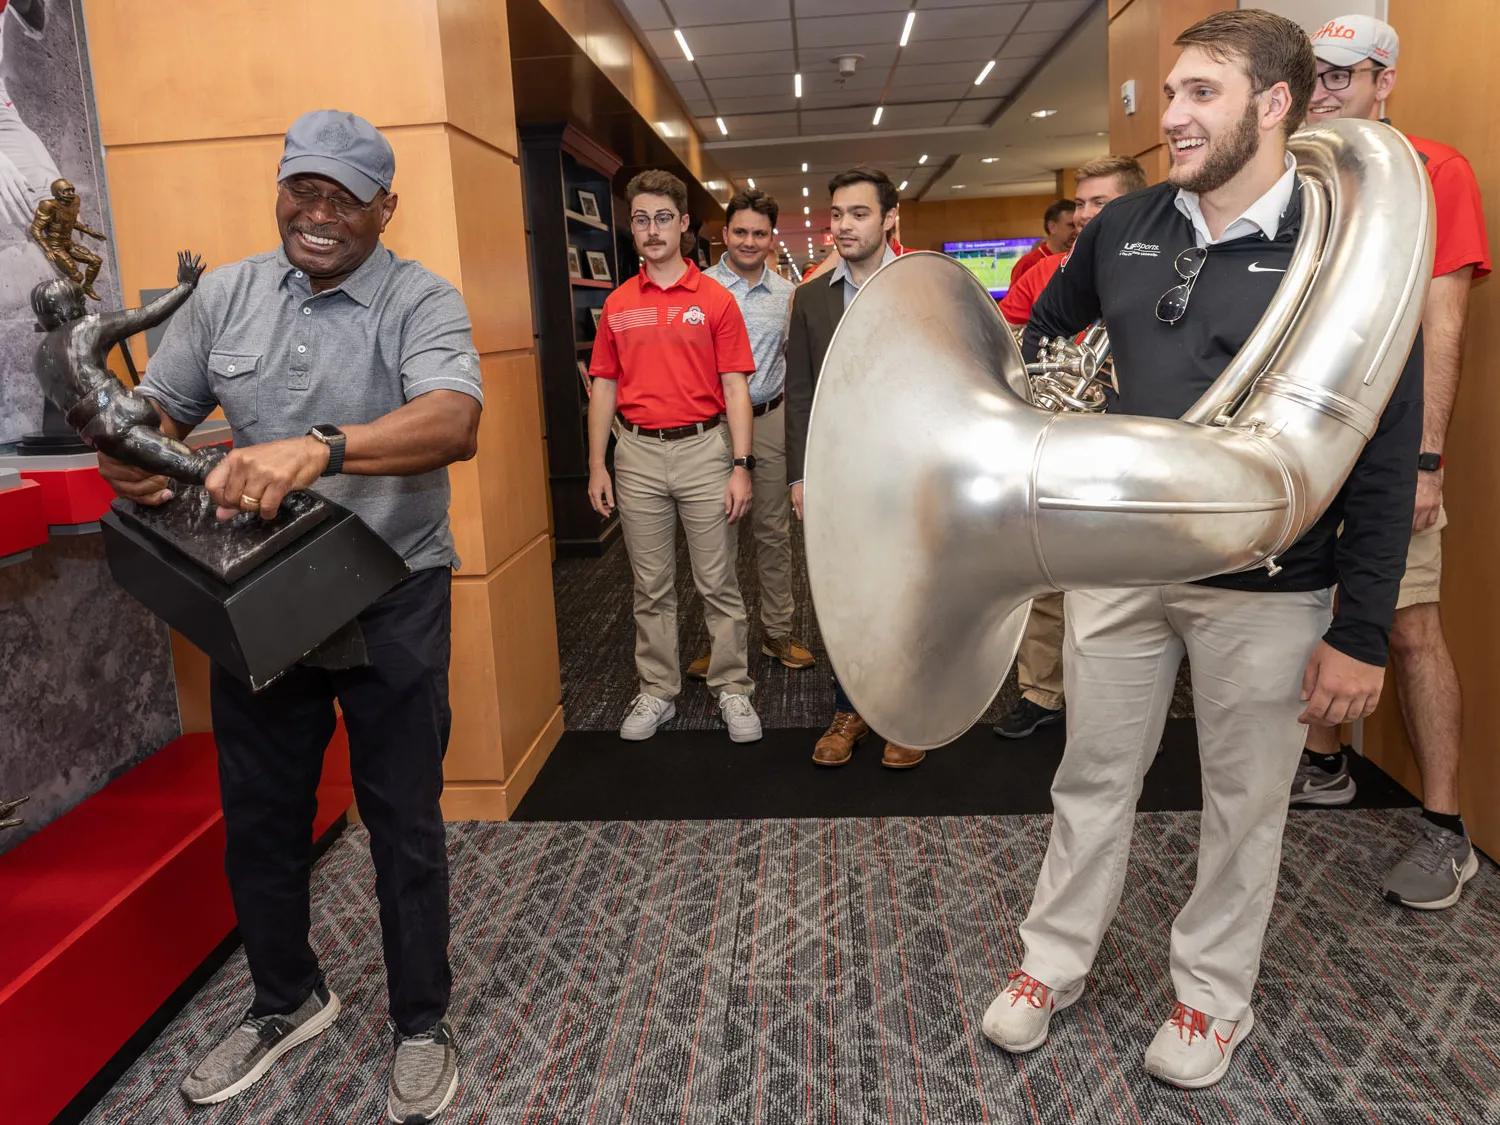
<point>343,368</point>
<point>765,299</point>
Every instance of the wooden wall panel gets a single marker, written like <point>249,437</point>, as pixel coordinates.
<point>500,497</point>
<point>1140,48</point>
<point>485,195</point>
<point>477,89</point>
<point>236,68</point>
<point>926,225</point>
<point>1447,89</point>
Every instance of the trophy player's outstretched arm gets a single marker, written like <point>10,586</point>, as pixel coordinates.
<point>146,447</point>
<point>116,326</point>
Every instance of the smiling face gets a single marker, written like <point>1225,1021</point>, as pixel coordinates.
<point>1363,89</point>
<point>748,236</point>
<point>326,231</point>
<point>1215,122</point>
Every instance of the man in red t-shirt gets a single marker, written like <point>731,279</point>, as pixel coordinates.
<point>671,364</point>
<point>1039,659</point>
<point>1356,73</point>
<point>1061,231</point>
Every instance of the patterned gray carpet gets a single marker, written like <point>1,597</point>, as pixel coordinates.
<point>596,633</point>
<point>835,971</point>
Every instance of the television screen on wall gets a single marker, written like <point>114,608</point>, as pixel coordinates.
<point>991,261</point>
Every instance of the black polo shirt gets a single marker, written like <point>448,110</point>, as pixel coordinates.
<point>1120,267</point>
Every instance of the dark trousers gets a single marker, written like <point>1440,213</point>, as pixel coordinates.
<point>840,700</point>
<point>270,759</point>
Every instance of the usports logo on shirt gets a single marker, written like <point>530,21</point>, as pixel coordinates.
<point>694,315</point>
<point>1140,250</point>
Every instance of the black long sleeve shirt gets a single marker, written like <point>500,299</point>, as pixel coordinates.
<point>1119,268</point>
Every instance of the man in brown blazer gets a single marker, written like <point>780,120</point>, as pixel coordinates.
<point>863,214</point>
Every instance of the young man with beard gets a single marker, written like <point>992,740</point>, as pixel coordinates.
<point>863,214</point>
<point>672,357</point>
<point>344,368</point>
<point>1356,74</point>
<point>1039,659</point>
<point>1061,228</point>
<point>1181,274</point>
<point>765,299</point>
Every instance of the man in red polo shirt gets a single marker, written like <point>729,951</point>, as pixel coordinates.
<point>1356,74</point>
<point>673,358</point>
<point>1060,230</point>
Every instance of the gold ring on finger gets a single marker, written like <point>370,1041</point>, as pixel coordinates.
<point>250,503</point>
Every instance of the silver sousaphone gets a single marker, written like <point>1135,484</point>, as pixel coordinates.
<point>940,500</point>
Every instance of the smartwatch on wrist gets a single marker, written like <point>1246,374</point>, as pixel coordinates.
<point>333,438</point>
<point>1429,462</point>
<point>746,463</point>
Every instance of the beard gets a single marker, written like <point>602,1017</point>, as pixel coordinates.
<point>1224,159</point>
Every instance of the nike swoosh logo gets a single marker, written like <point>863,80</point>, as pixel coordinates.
<point>1256,267</point>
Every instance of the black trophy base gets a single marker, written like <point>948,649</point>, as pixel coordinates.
<point>55,436</point>
<point>296,595</point>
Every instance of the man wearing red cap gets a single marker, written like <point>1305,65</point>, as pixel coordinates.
<point>1356,73</point>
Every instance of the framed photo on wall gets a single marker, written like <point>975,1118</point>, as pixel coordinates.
<point>588,206</point>
<point>598,265</point>
<point>597,312</point>
<point>575,267</point>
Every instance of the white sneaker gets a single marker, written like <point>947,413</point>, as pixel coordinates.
<point>1193,1049</point>
<point>1018,1019</point>
<point>740,718</point>
<point>646,714</point>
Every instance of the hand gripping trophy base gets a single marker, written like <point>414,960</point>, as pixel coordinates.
<point>256,595</point>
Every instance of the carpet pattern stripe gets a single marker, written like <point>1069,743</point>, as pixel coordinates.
<point>835,971</point>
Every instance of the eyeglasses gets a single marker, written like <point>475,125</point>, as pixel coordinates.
<point>661,220</point>
<point>345,207</point>
<point>1174,302</point>
<point>1339,77</point>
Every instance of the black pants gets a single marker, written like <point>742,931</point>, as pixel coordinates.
<point>270,759</point>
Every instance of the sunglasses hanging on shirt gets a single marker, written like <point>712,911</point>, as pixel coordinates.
<point>1174,302</point>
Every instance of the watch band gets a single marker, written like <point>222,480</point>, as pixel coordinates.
<point>746,463</point>
<point>1429,462</point>
<point>333,438</point>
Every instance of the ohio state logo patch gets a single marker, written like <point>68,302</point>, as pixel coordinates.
<point>694,315</point>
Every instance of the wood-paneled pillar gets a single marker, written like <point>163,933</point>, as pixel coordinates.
<point>193,102</point>
<point>1140,49</point>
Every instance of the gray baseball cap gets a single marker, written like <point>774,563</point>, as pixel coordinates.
<point>341,146</point>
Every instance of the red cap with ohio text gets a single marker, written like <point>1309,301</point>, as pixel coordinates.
<point>1347,40</point>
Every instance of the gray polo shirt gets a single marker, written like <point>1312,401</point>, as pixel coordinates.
<point>280,359</point>
<point>767,308</point>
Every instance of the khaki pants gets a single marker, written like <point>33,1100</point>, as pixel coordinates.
<point>1248,652</point>
<point>771,522</point>
<point>656,482</point>
<point>1423,579</point>
<point>1039,661</point>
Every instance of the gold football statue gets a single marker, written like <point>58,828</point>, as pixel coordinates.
<point>52,229</point>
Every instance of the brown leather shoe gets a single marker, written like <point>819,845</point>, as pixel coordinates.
<point>901,757</point>
<point>790,651</point>
<point>837,744</point>
<point>698,669</point>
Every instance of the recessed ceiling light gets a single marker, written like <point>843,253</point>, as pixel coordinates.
<point>804,193</point>
<point>985,73</point>
<point>902,187</point>
<point>797,85</point>
<point>724,129</point>
<point>804,168</point>
<point>1043,112</point>
<point>751,181</point>
<point>807,222</point>
<point>982,160</point>
<point>959,187</point>
<point>682,42</point>
<point>922,159</point>
<point>807,210</point>
<point>878,111</point>
<point>911,18</point>
<point>775,230</point>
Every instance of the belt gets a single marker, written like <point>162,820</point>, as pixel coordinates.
<point>672,433</point>
<point>767,407</point>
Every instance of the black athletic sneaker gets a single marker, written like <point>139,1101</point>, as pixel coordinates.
<point>1025,717</point>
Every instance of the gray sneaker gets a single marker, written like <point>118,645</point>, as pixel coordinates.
<point>1432,873</point>
<point>1314,785</point>
<point>246,1053</point>
<point>424,1075</point>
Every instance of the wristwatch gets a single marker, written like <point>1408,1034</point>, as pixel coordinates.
<point>1429,462</point>
<point>746,463</point>
<point>333,438</point>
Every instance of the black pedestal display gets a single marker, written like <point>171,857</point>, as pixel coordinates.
<point>255,598</point>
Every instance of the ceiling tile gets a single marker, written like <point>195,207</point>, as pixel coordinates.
<point>748,63</point>
<point>1028,44</point>
<point>974,111</point>
<point>931,52</point>
<point>816,8</point>
<point>725,39</point>
<point>701,13</point>
<point>960,23</point>
<point>839,32</point>
<point>1055,15</point>
<point>835,120</point>
<point>728,107</point>
<point>649,15</point>
<point>678,69</point>
<point>917,116</point>
<point>752,85</point>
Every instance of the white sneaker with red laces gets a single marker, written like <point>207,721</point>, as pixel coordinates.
<point>1193,1049</point>
<point>1019,1017</point>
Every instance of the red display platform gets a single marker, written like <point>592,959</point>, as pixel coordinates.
<point>107,910</point>
<point>73,495</point>
<point>23,522</point>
